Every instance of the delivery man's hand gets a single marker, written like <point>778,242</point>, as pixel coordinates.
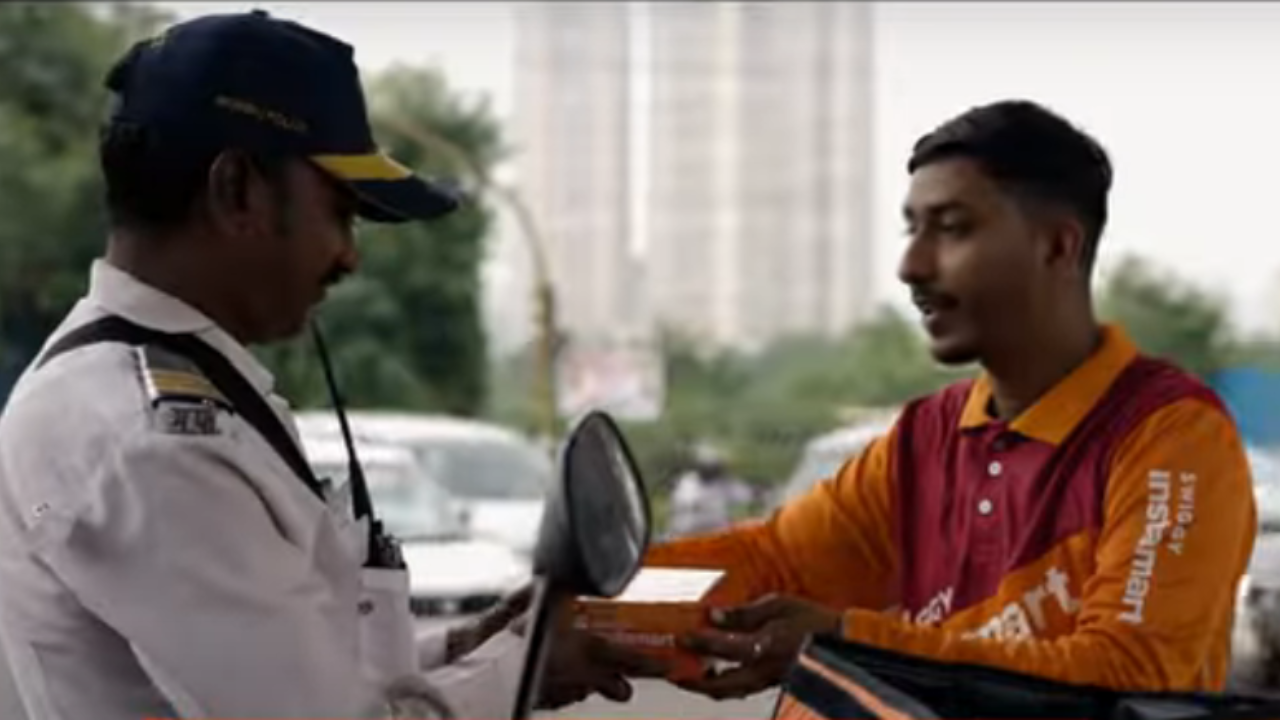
<point>471,635</point>
<point>763,637</point>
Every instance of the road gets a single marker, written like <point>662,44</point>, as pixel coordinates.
<point>658,700</point>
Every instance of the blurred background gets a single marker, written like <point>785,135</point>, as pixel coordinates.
<point>689,216</point>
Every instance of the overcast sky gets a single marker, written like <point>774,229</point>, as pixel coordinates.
<point>1183,95</point>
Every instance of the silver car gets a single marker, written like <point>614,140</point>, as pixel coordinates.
<point>498,478</point>
<point>1256,652</point>
<point>451,573</point>
<point>823,456</point>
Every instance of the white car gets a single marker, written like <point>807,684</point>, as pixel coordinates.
<point>450,572</point>
<point>1256,640</point>
<point>498,478</point>
<point>824,455</point>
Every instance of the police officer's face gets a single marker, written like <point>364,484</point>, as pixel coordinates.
<point>303,243</point>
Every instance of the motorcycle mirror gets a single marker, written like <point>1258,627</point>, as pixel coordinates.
<point>594,533</point>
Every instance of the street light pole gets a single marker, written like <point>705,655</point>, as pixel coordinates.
<point>544,291</point>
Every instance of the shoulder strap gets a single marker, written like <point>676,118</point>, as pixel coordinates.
<point>244,398</point>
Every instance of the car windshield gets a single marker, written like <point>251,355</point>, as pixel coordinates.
<point>486,469</point>
<point>409,503</point>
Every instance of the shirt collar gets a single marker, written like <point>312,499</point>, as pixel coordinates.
<point>116,292</point>
<point>1052,418</point>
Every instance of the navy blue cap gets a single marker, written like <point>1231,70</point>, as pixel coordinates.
<point>263,84</point>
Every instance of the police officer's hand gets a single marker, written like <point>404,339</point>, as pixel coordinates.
<point>471,635</point>
<point>580,663</point>
<point>762,639</point>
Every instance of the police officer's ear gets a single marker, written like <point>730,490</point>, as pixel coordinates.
<point>235,192</point>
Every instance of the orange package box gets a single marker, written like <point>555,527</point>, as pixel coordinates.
<point>659,606</point>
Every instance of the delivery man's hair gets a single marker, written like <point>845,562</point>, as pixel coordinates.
<point>1031,152</point>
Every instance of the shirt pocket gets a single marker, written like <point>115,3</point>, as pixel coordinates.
<point>386,625</point>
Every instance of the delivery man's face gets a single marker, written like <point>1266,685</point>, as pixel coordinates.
<point>970,261</point>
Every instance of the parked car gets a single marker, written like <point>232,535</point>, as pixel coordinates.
<point>450,572</point>
<point>823,456</point>
<point>1256,639</point>
<point>498,478</point>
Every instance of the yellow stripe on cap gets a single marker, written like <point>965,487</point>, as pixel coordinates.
<point>362,167</point>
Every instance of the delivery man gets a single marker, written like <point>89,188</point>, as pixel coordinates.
<point>162,551</point>
<point>1078,512</point>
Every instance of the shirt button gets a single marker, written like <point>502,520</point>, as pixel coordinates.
<point>365,607</point>
<point>985,506</point>
<point>995,468</point>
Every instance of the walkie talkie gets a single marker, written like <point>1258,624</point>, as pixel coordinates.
<point>384,550</point>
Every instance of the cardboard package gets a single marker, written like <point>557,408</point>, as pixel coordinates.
<point>659,606</point>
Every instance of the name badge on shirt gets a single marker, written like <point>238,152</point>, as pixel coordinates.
<point>183,401</point>
<point>188,419</point>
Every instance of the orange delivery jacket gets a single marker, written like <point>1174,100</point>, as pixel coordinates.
<point>1098,538</point>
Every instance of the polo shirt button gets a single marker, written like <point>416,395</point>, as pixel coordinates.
<point>985,506</point>
<point>995,468</point>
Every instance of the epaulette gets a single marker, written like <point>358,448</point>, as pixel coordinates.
<point>183,401</point>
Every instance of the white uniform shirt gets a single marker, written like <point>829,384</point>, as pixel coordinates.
<point>151,574</point>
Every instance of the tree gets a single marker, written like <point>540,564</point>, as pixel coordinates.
<point>762,408</point>
<point>53,57</point>
<point>802,386</point>
<point>1168,317</point>
<point>406,332</point>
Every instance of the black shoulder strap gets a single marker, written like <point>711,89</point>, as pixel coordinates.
<point>244,398</point>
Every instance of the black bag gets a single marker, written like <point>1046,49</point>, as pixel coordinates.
<point>834,679</point>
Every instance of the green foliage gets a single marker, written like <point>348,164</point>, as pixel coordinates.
<point>760,409</point>
<point>1168,317</point>
<point>405,333</point>
<point>53,57</point>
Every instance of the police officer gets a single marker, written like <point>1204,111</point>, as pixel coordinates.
<point>162,552</point>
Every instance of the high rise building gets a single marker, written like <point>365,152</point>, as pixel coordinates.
<point>727,144</point>
<point>759,177</point>
<point>572,143</point>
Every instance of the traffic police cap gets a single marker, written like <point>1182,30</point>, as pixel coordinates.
<point>261,84</point>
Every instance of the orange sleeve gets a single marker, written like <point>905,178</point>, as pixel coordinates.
<point>1176,539</point>
<point>832,545</point>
